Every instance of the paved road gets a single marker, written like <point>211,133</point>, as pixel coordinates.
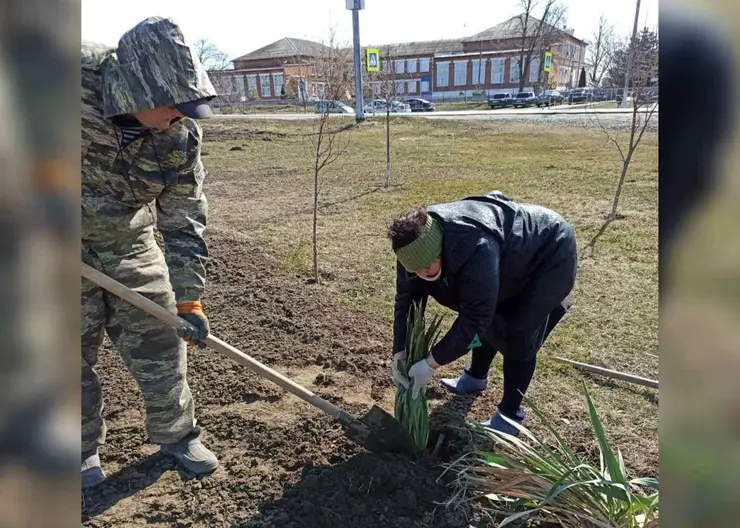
<point>566,116</point>
<point>460,114</point>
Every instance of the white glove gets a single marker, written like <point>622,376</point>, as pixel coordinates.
<point>396,373</point>
<point>421,374</point>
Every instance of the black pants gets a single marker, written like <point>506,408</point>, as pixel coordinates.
<point>518,370</point>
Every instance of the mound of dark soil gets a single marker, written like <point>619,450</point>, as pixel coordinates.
<point>282,462</point>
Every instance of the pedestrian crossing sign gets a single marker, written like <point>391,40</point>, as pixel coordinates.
<point>547,63</point>
<point>372,59</point>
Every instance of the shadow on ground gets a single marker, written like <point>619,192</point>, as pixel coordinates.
<point>127,482</point>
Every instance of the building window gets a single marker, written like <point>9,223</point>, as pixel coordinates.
<point>386,66</point>
<point>411,66</point>
<point>497,71</point>
<point>399,87</point>
<point>239,79</point>
<point>461,73</point>
<point>479,71</point>
<point>514,70</point>
<point>443,74</point>
<point>380,89</point>
<point>534,70</point>
<point>265,85</point>
<point>252,85</point>
<point>319,89</point>
<point>423,65</point>
<point>277,81</point>
<point>399,66</point>
<point>425,87</point>
<point>411,86</point>
<point>564,76</point>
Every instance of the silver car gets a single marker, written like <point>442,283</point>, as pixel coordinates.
<point>332,107</point>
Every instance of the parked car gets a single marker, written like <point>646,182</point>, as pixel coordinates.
<point>378,106</point>
<point>581,95</point>
<point>649,95</point>
<point>420,105</point>
<point>400,107</point>
<point>332,107</point>
<point>500,100</point>
<point>549,98</point>
<point>524,99</point>
<point>600,95</point>
<point>556,96</point>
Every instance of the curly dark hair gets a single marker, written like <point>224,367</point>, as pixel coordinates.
<point>408,227</point>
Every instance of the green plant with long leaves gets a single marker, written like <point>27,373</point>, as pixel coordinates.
<point>413,413</point>
<point>526,478</point>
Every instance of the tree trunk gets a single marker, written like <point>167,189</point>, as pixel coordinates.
<point>521,72</point>
<point>626,163</point>
<point>387,148</point>
<point>618,194</point>
<point>316,169</point>
<point>315,224</point>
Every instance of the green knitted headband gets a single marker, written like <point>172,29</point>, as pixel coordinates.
<point>422,251</point>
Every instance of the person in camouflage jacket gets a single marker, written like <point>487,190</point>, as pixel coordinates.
<point>142,173</point>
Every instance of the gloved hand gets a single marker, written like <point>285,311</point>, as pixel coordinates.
<point>396,374</point>
<point>420,374</point>
<point>192,312</point>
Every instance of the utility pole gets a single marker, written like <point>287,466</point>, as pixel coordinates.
<point>630,54</point>
<point>355,6</point>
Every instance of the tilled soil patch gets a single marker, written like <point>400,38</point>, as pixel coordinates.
<point>282,462</point>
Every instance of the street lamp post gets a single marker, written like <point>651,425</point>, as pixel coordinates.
<point>355,6</point>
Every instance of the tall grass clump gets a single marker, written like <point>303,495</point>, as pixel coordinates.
<point>525,478</point>
<point>413,413</point>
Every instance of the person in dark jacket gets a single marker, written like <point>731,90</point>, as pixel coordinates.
<point>506,268</point>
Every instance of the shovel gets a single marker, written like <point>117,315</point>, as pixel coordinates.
<point>378,431</point>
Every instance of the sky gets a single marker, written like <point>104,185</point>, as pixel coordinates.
<point>238,27</point>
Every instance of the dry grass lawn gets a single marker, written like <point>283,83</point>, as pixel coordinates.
<point>614,320</point>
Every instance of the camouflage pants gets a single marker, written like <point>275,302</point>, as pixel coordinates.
<point>153,353</point>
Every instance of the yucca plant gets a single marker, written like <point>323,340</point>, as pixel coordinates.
<point>413,414</point>
<point>527,479</point>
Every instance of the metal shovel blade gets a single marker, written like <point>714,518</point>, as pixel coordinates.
<point>379,432</point>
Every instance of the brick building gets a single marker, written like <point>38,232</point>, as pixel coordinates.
<point>271,71</point>
<point>482,64</point>
<point>411,65</point>
<point>485,63</point>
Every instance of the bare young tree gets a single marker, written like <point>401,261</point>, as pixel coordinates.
<point>212,58</point>
<point>646,46</point>
<point>217,64</point>
<point>386,85</point>
<point>335,78</point>
<point>601,52</point>
<point>644,68</point>
<point>536,34</point>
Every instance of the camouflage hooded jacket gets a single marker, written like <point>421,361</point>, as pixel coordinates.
<point>156,180</point>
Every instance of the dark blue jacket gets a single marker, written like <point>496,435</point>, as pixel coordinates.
<point>494,251</point>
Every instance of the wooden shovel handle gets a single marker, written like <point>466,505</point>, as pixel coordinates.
<point>610,373</point>
<point>212,341</point>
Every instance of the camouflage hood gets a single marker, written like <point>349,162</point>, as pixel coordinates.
<point>152,67</point>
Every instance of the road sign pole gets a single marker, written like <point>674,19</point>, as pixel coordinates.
<point>358,65</point>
